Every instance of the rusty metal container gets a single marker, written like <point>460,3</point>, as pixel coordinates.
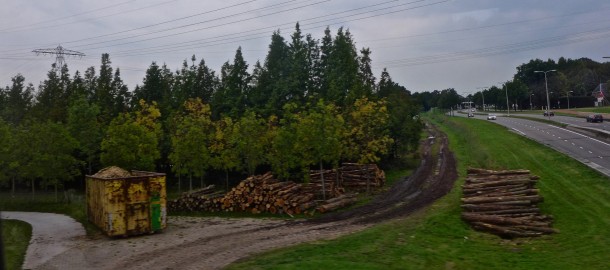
<point>127,205</point>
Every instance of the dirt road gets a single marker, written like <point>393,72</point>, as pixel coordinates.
<point>212,243</point>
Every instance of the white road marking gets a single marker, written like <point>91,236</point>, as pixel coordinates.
<point>607,144</point>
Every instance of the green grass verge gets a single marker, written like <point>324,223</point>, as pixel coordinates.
<point>16,236</point>
<point>436,238</point>
<point>593,109</point>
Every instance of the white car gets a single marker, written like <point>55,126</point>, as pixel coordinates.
<point>491,117</point>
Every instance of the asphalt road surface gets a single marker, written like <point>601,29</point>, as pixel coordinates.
<point>592,152</point>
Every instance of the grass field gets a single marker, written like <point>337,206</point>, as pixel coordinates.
<point>594,109</point>
<point>436,238</point>
<point>16,236</point>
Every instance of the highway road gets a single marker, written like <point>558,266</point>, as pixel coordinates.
<point>592,152</point>
<point>572,121</point>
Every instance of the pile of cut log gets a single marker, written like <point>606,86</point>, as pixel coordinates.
<point>356,177</point>
<point>200,200</point>
<point>349,177</point>
<point>504,203</point>
<point>258,194</point>
<point>263,193</point>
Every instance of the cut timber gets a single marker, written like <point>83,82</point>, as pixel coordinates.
<point>336,203</point>
<point>488,199</point>
<point>504,203</point>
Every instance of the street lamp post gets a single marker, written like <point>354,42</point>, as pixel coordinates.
<point>531,101</point>
<point>546,87</point>
<point>569,98</point>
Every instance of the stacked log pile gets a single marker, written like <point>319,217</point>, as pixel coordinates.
<point>354,177</point>
<point>349,177</point>
<point>263,193</point>
<point>205,199</point>
<point>331,184</point>
<point>258,194</point>
<point>504,203</point>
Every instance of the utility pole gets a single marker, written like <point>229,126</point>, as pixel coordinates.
<point>59,53</point>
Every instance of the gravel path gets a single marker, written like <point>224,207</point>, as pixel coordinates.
<point>52,234</point>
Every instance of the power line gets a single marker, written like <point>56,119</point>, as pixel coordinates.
<point>199,29</point>
<point>256,35</point>
<point>18,28</point>
<point>96,18</point>
<point>503,49</point>
<point>166,22</point>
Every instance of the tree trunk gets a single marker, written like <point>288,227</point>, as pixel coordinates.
<point>323,184</point>
<point>56,192</point>
<point>33,187</point>
<point>179,183</point>
<point>190,182</point>
<point>368,184</point>
<point>13,186</point>
<point>227,179</point>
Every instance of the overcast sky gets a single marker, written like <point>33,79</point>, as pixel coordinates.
<point>426,45</point>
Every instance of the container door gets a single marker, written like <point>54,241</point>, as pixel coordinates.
<point>155,212</point>
<point>137,208</point>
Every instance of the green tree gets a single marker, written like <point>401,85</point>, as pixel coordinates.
<point>365,75</point>
<point>251,141</point>
<point>54,157</point>
<point>342,76</point>
<point>5,153</point>
<point>52,97</point>
<point>191,141</point>
<point>403,123</point>
<point>44,152</point>
<point>269,93</point>
<point>104,92</point>
<point>131,140</point>
<point>320,135</point>
<point>223,148</point>
<point>298,68</point>
<point>284,156</point>
<point>368,134</point>
<point>84,126</point>
<point>17,101</point>
<point>230,99</point>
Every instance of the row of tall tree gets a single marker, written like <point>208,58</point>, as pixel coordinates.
<point>311,103</point>
<point>574,81</point>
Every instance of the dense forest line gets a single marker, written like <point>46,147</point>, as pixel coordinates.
<point>574,81</point>
<point>310,104</point>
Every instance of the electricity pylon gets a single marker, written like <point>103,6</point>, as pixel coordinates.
<point>59,53</point>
